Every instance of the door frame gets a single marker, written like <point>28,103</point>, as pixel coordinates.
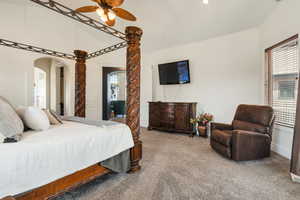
<point>105,72</point>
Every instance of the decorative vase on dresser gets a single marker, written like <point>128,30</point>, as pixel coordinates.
<point>172,116</point>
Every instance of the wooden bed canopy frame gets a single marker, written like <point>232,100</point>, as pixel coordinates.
<point>131,38</point>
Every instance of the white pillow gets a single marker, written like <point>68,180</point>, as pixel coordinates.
<point>36,119</point>
<point>21,111</point>
<point>2,138</point>
<point>52,118</point>
<point>10,123</point>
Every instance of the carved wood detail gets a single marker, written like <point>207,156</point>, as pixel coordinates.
<point>80,82</point>
<point>133,36</point>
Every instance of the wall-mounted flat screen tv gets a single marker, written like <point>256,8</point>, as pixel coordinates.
<point>174,73</point>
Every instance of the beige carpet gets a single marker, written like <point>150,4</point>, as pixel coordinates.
<point>177,167</point>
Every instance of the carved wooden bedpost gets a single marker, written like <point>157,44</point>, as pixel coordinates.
<point>80,83</point>
<point>133,35</point>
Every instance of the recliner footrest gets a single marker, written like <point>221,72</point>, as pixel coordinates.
<point>221,149</point>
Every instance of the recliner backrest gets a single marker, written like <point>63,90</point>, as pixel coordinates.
<point>248,126</point>
<point>254,118</point>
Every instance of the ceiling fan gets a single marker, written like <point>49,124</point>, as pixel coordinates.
<point>107,11</point>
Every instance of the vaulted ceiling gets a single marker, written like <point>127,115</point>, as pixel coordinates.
<point>168,23</point>
<point>173,22</point>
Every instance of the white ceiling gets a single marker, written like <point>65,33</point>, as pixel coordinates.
<point>169,23</point>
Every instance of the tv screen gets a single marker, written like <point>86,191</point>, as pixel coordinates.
<point>174,73</point>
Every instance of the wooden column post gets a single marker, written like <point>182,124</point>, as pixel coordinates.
<point>80,83</point>
<point>133,35</point>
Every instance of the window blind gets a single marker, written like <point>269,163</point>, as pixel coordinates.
<point>284,81</point>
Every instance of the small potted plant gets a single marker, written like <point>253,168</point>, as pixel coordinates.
<point>202,123</point>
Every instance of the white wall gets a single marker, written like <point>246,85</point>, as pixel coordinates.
<point>41,27</point>
<point>225,72</point>
<point>17,77</point>
<point>94,83</point>
<point>281,24</point>
<point>35,25</point>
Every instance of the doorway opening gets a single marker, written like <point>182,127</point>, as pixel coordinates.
<point>50,84</point>
<point>114,94</point>
<point>40,92</point>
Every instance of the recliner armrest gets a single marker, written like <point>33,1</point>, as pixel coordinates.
<point>221,126</point>
<point>249,145</point>
<point>244,134</point>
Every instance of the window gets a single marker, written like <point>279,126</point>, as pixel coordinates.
<point>117,86</point>
<point>287,89</point>
<point>282,80</point>
<point>39,88</point>
<point>113,84</point>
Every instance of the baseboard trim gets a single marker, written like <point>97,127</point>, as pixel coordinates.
<point>295,178</point>
<point>281,150</point>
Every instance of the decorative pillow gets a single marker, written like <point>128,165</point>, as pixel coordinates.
<point>57,117</point>
<point>20,111</point>
<point>2,138</point>
<point>10,123</point>
<point>36,119</point>
<point>51,117</point>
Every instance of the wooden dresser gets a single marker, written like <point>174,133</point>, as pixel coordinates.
<point>172,117</point>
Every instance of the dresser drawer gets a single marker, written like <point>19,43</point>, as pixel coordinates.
<point>172,117</point>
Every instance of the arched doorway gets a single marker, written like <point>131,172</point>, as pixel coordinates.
<point>49,76</point>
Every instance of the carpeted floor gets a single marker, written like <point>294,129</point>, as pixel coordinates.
<point>177,167</point>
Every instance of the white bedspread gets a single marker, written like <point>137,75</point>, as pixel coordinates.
<point>42,157</point>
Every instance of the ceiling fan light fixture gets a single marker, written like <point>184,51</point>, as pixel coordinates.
<point>205,2</point>
<point>108,11</point>
<point>104,18</point>
<point>100,11</point>
<point>111,15</point>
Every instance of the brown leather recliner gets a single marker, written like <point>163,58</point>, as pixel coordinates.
<point>248,137</point>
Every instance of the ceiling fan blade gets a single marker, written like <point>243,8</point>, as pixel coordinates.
<point>114,3</point>
<point>111,22</point>
<point>124,14</point>
<point>87,9</point>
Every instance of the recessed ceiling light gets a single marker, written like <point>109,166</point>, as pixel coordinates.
<point>205,1</point>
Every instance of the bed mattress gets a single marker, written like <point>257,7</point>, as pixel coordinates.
<point>43,157</point>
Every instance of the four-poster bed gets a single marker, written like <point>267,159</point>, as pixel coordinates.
<point>131,39</point>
